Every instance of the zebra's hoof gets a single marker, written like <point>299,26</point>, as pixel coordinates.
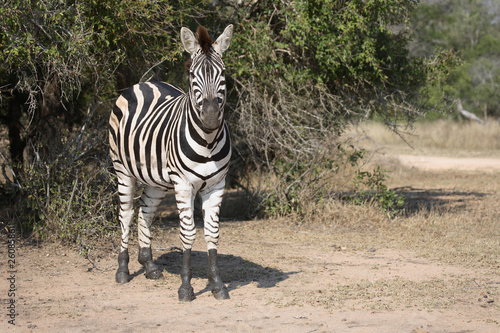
<point>221,294</point>
<point>186,294</point>
<point>122,277</point>
<point>155,275</point>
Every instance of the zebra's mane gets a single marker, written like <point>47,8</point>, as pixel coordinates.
<point>204,39</point>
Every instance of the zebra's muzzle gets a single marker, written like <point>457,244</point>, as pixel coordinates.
<point>211,115</point>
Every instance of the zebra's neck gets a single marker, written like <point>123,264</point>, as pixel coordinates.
<point>195,130</point>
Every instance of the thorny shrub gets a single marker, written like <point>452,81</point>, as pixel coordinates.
<point>67,195</point>
<point>293,138</point>
<point>369,186</point>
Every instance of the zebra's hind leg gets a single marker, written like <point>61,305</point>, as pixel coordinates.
<point>126,186</point>
<point>212,199</point>
<point>149,202</point>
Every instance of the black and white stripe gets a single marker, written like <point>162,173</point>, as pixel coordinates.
<point>168,139</point>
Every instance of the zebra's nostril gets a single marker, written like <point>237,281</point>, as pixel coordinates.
<point>210,109</point>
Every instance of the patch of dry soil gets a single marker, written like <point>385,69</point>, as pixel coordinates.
<point>439,163</point>
<point>300,282</point>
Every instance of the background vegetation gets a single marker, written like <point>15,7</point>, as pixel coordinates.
<point>298,72</point>
<point>471,27</point>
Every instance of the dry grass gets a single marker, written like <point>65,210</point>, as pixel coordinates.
<point>383,294</point>
<point>451,216</point>
<point>442,137</point>
<point>450,226</point>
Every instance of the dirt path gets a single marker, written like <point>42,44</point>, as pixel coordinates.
<point>439,163</point>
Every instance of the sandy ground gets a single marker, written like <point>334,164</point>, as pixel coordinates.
<point>439,163</point>
<point>292,288</point>
<point>280,279</point>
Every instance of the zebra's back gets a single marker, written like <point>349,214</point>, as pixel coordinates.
<point>141,126</point>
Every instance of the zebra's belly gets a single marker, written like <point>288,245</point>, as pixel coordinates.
<point>153,176</point>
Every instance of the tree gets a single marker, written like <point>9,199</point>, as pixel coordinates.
<point>303,68</point>
<point>472,28</point>
<point>298,70</point>
<point>63,58</point>
<point>62,64</point>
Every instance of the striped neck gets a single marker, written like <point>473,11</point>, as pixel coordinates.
<point>194,126</point>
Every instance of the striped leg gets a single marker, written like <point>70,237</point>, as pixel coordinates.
<point>184,195</point>
<point>149,202</point>
<point>212,200</point>
<point>126,186</point>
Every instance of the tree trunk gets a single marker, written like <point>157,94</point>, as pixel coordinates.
<point>49,121</point>
<point>16,142</point>
<point>123,78</point>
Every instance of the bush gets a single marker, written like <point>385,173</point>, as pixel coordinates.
<point>370,187</point>
<point>68,194</point>
<point>70,204</point>
<point>303,69</point>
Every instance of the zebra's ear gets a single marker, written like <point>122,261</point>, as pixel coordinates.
<point>222,43</point>
<point>189,41</point>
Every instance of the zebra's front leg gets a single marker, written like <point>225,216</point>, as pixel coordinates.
<point>184,195</point>
<point>149,202</point>
<point>212,200</point>
<point>186,292</point>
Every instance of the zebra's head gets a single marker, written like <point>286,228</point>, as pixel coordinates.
<point>207,84</point>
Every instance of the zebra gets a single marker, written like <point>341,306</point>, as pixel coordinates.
<point>168,139</point>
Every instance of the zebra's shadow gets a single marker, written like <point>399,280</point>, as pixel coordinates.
<point>235,271</point>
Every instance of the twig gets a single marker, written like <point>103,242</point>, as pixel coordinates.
<point>170,248</point>
<point>149,70</point>
<point>94,266</point>
<point>478,286</point>
<point>6,163</point>
<point>70,201</point>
